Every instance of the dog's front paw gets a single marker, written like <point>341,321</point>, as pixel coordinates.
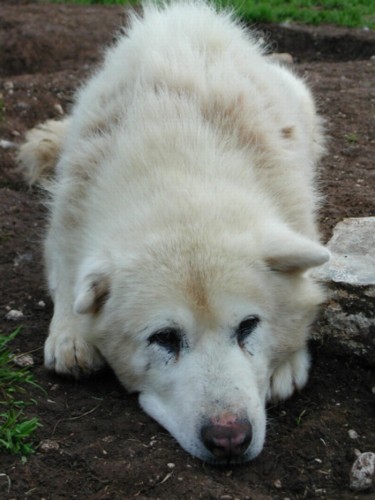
<point>289,376</point>
<point>71,355</point>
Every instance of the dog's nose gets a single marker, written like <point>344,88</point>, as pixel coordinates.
<point>227,438</point>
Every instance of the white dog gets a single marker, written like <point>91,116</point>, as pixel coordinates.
<point>183,227</point>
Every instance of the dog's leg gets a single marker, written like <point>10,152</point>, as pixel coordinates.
<point>289,376</point>
<point>67,350</point>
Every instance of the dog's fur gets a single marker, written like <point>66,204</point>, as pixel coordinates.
<point>183,227</point>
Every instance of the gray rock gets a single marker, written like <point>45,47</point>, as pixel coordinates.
<point>14,315</point>
<point>353,253</point>
<point>347,323</point>
<point>362,474</point>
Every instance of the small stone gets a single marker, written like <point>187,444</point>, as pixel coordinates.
<point>41,304</point>
<point>8,85</point>
<point>5,144</point>
<point>25,258</point>
<point>353,434</point>
<point>14,315</point>
<point>363,472</point>
<point>24,360</point>
<point>59,109</point>
<point>282,58</point>
<point>171,465</point>
<point>48,445</point>
<point>278,484</point>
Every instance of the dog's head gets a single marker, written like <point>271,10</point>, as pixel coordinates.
<point>198,328</point>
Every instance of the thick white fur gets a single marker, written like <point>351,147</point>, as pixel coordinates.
<point>184,197</point>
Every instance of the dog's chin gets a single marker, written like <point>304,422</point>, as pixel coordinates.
<point>210,459</point>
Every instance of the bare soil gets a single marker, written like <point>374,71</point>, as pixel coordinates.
<point>101,445</point>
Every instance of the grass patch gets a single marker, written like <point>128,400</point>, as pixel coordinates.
<point>352,137</point>
<point>15,428</point>
<point>350,13</point>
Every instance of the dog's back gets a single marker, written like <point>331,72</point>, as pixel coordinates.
<point>186,73</point>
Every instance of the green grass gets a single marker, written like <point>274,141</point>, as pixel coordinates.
<point>352,137</point>
<point>300,417</point>
<point>351,13</point>
<point>15,428</point>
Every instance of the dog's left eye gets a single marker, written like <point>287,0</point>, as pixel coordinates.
<point>245,328</point>
<point>169,339</point>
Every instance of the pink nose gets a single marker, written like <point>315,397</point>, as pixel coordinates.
<point>227,438</point>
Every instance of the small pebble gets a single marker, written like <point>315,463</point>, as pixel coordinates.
<point>353,434</point>
<point>24,360</point>
<point>41,304</point>
<point>8,85</point>
<point>14,315</point>
<point>283,58</point>
<point>48,445</point>
<point>25,258</point>
<point>171,465</point>
<point>4,144</point>
<point>362,474</point>
<point>59,109</point>
<point>108,439</point>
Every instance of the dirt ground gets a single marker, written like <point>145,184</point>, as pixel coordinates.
<point>95,442</point>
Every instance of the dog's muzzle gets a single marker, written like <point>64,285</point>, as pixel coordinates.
<point>227,437</point>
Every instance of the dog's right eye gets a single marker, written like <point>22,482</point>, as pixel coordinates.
<point>245,328</point>
<point>169,339</point>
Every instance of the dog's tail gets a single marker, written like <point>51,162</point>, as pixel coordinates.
<point>40,152</point>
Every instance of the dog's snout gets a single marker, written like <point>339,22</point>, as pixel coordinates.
<point>227,439</point>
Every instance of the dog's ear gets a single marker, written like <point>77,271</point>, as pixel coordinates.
<point>93,286</point>
<point>292,252</point>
